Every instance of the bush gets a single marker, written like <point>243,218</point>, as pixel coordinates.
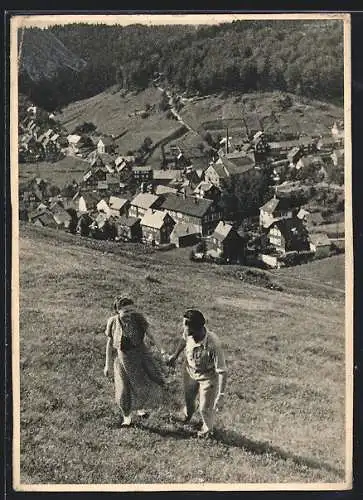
<point>85,128</point>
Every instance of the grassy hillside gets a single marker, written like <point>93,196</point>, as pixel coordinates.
<point>109,112</point>
<point>216,113</point>
<point>58,173</point>
<point>284,414</point>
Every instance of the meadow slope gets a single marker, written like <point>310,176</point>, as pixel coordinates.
<point>110,112</point>
<point>284,415</point>
<point>304,116</point>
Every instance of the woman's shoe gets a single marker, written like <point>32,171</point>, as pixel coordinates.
<point>205,434</point>
<point>127,422</point>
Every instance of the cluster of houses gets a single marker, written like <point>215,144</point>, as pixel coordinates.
<point>323,154</point>
<point>42,138</point>
<point>175,219</point>
<point>179,204</point>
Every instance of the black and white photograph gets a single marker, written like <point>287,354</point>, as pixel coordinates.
<point>181,252</point>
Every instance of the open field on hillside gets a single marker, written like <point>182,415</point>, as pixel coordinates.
<point>331,229</point>
<point>284,415</point>
<point>328,273</point>
<point>58,173</point>
<point>192,145</point>
<point>109,112</point>
<point>216,113</point>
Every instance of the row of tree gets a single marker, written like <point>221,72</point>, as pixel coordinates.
<point>300,57</point>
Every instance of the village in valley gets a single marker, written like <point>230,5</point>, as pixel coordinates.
<point>182,166</point>
<point>189,201</point>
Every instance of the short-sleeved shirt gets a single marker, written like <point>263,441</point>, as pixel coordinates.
<point>205,358</point>
<point>114,331</point>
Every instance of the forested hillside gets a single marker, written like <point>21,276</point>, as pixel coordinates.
<point>305,58</point>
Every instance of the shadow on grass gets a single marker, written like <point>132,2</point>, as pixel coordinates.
<point>231,438</point>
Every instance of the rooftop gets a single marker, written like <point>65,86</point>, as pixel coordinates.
<point>160,189</point>
<point>238,165</point>
<point>222,231</point>
<point>277,203</point>
<point>186,205</point>
<point>127,221</point>
<point>154,219</point>
<point>183,229</point>
<point>290,227</point>
<point>167,174</point>
<point>116,203</point>
<point>107,141</point>
<point>144,200</point>
<point>73,138</point>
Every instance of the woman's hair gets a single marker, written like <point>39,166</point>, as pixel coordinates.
<point>121,302</point>
<point>194,319</point>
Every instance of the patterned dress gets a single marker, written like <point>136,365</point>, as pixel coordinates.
<point>139,373</point>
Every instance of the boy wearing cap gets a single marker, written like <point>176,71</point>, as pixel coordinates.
<point>205,373</point>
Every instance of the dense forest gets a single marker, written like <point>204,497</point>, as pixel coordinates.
<point>302,57</point>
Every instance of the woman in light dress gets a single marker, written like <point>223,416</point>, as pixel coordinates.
<point>139,374</point>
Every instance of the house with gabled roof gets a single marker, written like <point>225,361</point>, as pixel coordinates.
<point>226,243</point>
<point>103,207</point>
<point>43,218</point>
<point>228,167</point>
<point>118,206</point>
<point>276,209</point>
<point>207,190</point>
<point>94,174</point>
<point>215,174</point>
<point>308,145</point>
<point>288,235</point>
<point>123,168</point>
<point>112,182</point>
<point>166,176</point>
<point>156,227</point>
<point>128,228</point>
<point>104,160</point>
<point>203,213</point>
<point>61,216</point>
<point>87,201</point>
<point>83,224</point>
<point>143,202</point>
<point>142,173</point>
<point>102,228</point>
<point>106,145</point>
<point>185,235</point>
<point>74,143</point>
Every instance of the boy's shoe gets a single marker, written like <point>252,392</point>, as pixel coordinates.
<point>142,413</point>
